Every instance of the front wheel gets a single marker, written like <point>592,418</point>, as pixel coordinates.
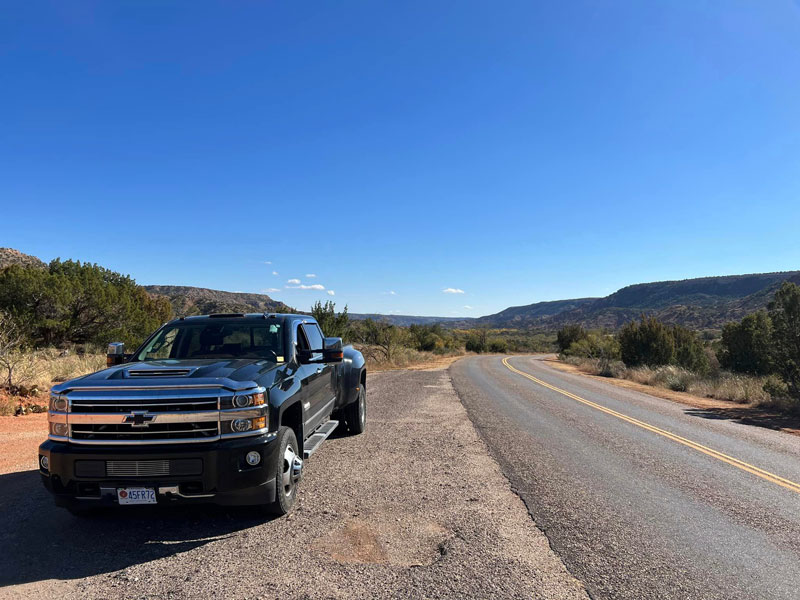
<point>356,413</point>
<point>288,473</point>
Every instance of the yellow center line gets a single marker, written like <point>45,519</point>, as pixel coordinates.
<point>739,464</point>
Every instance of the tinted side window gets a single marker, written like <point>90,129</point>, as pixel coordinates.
<point>314,336</point>
<point>302,343</point>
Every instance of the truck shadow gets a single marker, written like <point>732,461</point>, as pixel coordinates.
<point>748,416</point>
<point>39,541</point>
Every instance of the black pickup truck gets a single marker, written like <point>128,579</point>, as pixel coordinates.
<point>220,408</point>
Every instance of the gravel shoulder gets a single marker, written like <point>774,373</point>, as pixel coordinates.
<point>413,508</point>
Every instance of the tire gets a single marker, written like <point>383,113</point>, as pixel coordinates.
<point>355,414</point>
<point>287,474</point>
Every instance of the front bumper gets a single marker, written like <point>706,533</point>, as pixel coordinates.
<point>80,476</point>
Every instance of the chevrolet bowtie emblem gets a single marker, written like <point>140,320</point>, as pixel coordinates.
<point>139,418</point>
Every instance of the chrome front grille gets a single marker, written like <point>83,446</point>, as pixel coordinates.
<point>136,468</point>
<point>126,415</point>
<point>145,416</point>
<point>166,431</point>
<point>149,404</point>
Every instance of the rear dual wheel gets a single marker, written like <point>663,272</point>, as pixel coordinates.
<point>355,414</point>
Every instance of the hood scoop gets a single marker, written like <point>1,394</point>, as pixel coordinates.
<point>159,372</point>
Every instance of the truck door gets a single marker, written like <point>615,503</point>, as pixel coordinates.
<point>319,376</point>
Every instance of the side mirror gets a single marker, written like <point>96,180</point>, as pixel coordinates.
<point>331,353</point>
<point>333,343</point>
<point>115,355</point>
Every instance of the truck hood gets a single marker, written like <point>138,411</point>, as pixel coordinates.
<point>233,374</point>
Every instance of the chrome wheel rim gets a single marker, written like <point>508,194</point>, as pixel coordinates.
<point>362,407</point>
<point>292,470</point>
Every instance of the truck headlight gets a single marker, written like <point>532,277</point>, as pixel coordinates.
<point>58,403</point>
<point>245,400</point>
<point>242,425</point>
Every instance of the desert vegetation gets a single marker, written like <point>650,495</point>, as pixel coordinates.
<point>55,320</point>
<point>78,303</point>
<point>755,361</point>
<point>386,345</point>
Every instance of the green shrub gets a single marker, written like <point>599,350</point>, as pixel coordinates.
<point>746,346</point>
<point>73,302</point>
<point>647,343</point>
<point>784,312</point>
<point>776,387</point>
<point>498,346</point>
<point>595,345</point>
<point>475,344</point>
<point>689,350</point>
<point>568,335</point>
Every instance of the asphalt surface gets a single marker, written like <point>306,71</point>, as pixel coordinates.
<point>635,513</point>
<point>413,508</point>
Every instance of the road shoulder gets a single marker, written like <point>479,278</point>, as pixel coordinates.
<point>742,413</point>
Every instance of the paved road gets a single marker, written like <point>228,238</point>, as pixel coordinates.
<point>641,497</point>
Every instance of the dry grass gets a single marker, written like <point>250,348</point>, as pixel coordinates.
<point>402,358</point>
<point>40,370</point>
<point>741,389</point>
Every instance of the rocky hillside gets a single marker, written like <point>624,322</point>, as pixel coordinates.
<point>406,320</point>
<point>704,303</point>
<point>188,300</point>
<point>9,256</point>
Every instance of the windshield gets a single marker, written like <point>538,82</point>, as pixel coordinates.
<point>216,341</point>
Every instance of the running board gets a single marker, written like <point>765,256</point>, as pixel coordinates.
<point>320,435</point>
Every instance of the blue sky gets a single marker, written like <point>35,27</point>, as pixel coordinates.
<point>515,151</point>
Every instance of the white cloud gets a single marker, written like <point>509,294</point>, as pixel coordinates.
<point>274,272</point>
<point>468,307</point>
<point>390,293</point>
<point>311,275</point>
<point>295,281</point>
<point>270,290</point>
<point>267,262</point>
<point>315,286</point>
<point>453,291</point>
<point>331,293</point>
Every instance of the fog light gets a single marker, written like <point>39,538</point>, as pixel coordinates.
<point>240,425</point>
<point>60,429</point>
<point>45,462</point>
<point>253,458</point>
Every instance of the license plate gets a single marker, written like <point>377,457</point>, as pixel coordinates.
<point>136,495</point>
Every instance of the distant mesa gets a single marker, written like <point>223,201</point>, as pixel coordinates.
<point>703,303</point>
